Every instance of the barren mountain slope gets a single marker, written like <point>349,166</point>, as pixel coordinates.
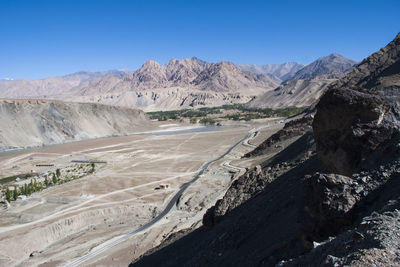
<point>184,71</point>
<point>296,93</point>
<point>333,66</point>
<point>166,99</point>
<point>225,76</point>
<point>28,123</point>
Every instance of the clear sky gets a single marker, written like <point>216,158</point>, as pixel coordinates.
<point>56,37</point>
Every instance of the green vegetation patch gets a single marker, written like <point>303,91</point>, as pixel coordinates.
<point>22,176</point>
<point>184,113</point>
<point>201,115</point>
<point>50,179</point>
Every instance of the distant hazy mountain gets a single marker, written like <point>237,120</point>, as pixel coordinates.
<point>333,66</point>
<point>278,72</point>
<point>178,84</point>
<point>52,86</point>
<point>87,75</point>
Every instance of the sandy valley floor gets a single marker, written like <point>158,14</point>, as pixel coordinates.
<point>67,221</point>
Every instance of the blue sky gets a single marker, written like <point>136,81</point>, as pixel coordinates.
<point>50,38</point>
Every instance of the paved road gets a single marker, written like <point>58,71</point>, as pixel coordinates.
<point>113,242</point>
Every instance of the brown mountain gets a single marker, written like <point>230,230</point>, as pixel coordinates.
<point>182,72</point>
<point>225,76</point>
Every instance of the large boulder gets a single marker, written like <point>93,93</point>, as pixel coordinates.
<point>358,118</point>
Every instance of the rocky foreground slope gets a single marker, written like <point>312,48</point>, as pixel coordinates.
<point>329,198</point>
<point>29,123</point>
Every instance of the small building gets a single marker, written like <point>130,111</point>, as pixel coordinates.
<point>163,186</point>
<point>21,197</point>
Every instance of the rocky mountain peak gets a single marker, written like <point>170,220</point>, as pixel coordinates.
<point>333,66</point>
<point>151,64</point>
<point>150,72</point>
<point>226,65</point>
<point>185,70</point>
<point>335,55</point>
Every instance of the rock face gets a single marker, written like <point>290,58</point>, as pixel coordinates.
<point>373,242</point>
<point>333,201</point>
<point>333,66</point>
<point>358,117</point>
<point>37,122</point>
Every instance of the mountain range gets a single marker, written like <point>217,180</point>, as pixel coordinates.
<point>184,83</point>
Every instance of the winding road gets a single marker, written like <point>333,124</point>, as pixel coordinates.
<point>117,240</point>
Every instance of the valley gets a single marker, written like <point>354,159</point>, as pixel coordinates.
<point>141,174</point>
<point>199,133</point>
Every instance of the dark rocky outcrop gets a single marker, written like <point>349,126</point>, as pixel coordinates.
<point>349,127</point>
<point>358,118</point>
<point>334,201</point>
<point>373,242</point>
